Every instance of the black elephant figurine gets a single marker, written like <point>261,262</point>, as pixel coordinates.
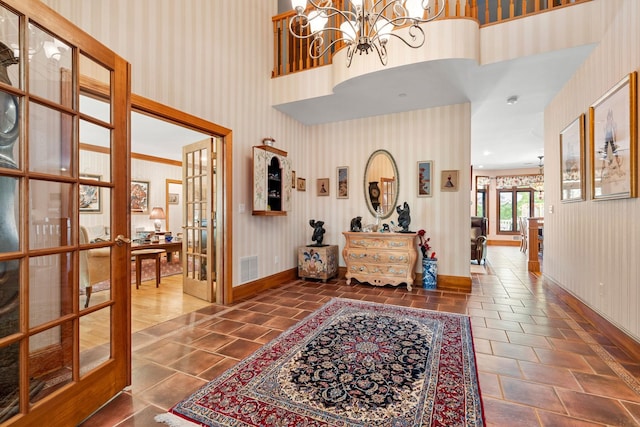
<point>356,224</point>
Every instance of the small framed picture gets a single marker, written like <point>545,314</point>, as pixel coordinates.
<point>572,161</point>
<point>173,198</point>
<point>425,178</point>
<point>342,180</point>
<point>90,197</point>
<point>139,196</point>
<point>322,187</point>
<point>293,179</point>
<point>449,180</point>
<point>302,184</point>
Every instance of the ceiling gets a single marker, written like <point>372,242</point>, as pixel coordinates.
<point>502,136</point>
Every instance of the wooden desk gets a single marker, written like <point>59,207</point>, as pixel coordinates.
<point>170,248</point>
<point>142,254</point>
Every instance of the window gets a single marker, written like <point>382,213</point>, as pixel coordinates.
<point>481,203</point>
<point>513,203</point>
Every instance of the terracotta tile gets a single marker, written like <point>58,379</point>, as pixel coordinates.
<point>482,346</point>
<point>239,349</point>
<point>634,409</point>
<point>599,366</point>
<point>223,325</point>
<point>172,390</point>
<point>269,336</point>
<point>545,374</point>
<point>196,362</point>
<point>527,339</point>
<point>142,418</point>
<point>531,394</point>
<point>212,342</point>
<point>497,365</point>
<point>262,308</point>
<point>490,334</point>
<point>250,332</point>
<point>548,419</point>
<point>514,351</point>
<point>147,374</point>
<point>499,413</point>
<point>280,323</point>
<point>505,325</point>
<point>117,410</point>
<point>596,408</point>
<point>573,346</point>
<point>165,352</point>
<point>516,317</point>
<point>489,385</point>
<point>606,386</point>
<point>563,359</point>
<point>218,369</point>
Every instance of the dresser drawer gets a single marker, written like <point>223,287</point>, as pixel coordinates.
<point>379,257</point>
<point>379,270</point>
<point>368,242</point>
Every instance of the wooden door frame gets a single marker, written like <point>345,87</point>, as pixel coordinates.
<point>224,275</point>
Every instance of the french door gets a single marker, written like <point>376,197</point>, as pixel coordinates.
<point>201,181</point>
<point>64,347</point>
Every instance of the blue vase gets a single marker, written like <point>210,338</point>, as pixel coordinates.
<point>429,273</point>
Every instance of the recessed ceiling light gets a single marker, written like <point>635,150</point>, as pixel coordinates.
<point>402,95</point>
<point>512,100</point>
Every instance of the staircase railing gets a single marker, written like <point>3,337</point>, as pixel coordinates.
<point>291,54</point>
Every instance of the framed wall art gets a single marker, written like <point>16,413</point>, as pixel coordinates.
<point>322,187</point>
<point>173,198</point>
<point>140,196</point>
<point>613,139</point>
<point>425,178</point>
<point>449,180</point>
<point>342,182</point>
<point>572,161</point>
<point>302,184</point>
<point>293,179</point>
<point>90,195</point>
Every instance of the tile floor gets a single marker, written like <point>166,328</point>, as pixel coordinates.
<point>539,362</point>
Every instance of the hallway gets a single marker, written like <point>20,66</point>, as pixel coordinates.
<point>540,363</point>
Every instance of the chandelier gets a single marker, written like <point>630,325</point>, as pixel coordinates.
<point>365,25</point>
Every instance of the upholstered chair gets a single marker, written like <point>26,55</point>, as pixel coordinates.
<point>95,265</point>
<point>479,239</point>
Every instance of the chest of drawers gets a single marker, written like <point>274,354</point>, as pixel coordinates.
<point>380,258</point>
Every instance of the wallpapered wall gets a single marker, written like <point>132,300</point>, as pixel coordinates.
<point>588,243</point>
<point>191,56</point>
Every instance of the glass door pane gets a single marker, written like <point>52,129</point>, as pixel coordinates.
<point>57,340</point>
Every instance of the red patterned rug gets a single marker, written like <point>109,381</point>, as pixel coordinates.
<point>351,363</point>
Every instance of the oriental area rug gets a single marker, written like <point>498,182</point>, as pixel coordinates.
<point>350,363</point>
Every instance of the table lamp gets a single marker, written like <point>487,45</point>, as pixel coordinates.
<point>157,214</point>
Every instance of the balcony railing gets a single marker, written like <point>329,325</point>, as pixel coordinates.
<point>291,54</point>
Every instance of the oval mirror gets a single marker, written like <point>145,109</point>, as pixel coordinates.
<point>381,183</point>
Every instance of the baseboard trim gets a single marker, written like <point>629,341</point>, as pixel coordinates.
<point>608,329</point>
<point>503,242</point>
<point>250,289</point>
<point>448,283</point>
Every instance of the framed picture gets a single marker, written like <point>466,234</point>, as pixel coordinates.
<point>173,198</point>
<point>425,178</point>
<point>302,184</point>
<point>140,196</point>
<point>449,180</point>
<point>572,161</point>
<point>342,182</point>
<point>293,179</point>
<point>90,195</point>
<point>322,187</point>
<point>613,140</point>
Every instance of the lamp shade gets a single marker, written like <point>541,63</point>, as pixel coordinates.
<point>157,213</point>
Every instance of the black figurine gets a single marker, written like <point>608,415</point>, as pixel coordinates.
<point>404,218</point>
<point>318,231</point>
<point>356,224</point>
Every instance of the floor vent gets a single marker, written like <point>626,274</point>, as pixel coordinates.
<point>248,269</point>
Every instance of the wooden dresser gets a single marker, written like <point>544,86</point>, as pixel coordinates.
<point>380,258</point>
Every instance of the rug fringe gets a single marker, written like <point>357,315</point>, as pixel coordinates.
<point>173,420</point>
